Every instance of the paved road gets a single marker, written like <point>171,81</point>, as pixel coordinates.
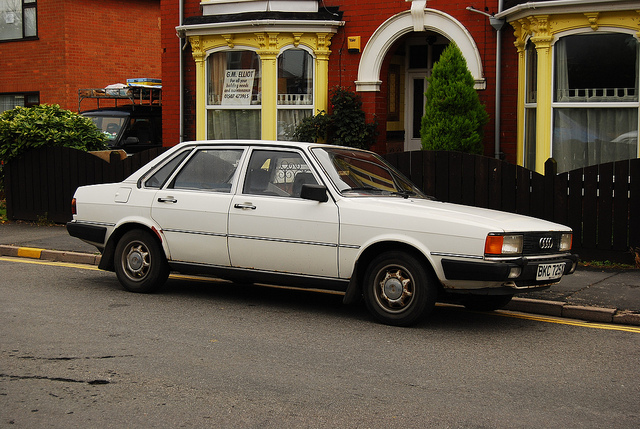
<point>78,351</point>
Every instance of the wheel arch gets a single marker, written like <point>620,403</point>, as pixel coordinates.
<point>107,259</point>
<point>354,289</point>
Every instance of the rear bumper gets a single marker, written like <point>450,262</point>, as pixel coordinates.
<point>91,233</point>
<point>521,272</point>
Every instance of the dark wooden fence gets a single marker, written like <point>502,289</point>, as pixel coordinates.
<point>40,184</point>
<point>601,203</point>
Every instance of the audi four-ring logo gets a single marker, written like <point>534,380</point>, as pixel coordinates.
<point>546,243</point>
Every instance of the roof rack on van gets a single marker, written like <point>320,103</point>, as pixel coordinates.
<point>133,94</point>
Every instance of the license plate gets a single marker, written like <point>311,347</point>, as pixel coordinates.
<point>550,271</point>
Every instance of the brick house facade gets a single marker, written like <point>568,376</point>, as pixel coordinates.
<point>73,44</point>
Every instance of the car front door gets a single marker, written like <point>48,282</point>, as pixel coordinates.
<point>192,208</point>
<point>271,228</point>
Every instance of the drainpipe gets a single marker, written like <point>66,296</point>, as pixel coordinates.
<point>497,24</point>
<point>181,71</point>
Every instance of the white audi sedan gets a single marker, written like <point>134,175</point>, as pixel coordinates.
<point>314,216</point>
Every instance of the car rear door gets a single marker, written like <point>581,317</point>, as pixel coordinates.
<point>271,228</point>
<point>193,207</point>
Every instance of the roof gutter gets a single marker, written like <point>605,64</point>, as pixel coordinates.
<point>565,6</point>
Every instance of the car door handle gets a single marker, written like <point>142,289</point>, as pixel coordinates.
<point>167,200</point>
<point>245,206</point>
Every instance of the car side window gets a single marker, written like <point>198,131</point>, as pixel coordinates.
<point>277,173</point>
<point>209,169</point>
<point>160,176</point>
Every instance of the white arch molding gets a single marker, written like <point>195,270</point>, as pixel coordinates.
<point>402,23</point>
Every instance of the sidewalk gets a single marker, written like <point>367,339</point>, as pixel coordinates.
<point>606,296</point>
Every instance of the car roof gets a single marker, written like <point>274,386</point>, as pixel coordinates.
<point>266,143</point>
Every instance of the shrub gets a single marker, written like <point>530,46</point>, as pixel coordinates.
<point>23,129</point>
<point>345,126</point>
<point>454,117</point>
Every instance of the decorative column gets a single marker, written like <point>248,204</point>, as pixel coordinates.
<point>269,63</point>
<point>543,39</point>
<point>322,52</point>
<point>201,84</point>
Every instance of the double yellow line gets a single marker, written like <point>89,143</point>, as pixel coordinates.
<point>500,313</point>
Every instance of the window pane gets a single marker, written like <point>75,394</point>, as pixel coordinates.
<point>233,124</point>
<point>161,176</point>
<point>233,78</point>
<point>210,170</point>
<point>10,19</point>
<point>277,173</point>
<point>584,137</point>
<point>295,77</point>
<point>30,27</point>
<point>288,119</point>
<point>596,67</point>
<point>532,73</point>
<point>530,139</point>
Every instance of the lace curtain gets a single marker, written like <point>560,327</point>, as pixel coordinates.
<point>587,75</point>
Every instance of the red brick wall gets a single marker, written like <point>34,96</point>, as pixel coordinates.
<point>84,44</point>
<point>361,19</point>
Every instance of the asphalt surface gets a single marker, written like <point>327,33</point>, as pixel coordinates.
<point>597,295</point>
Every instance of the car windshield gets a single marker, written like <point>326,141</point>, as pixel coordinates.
<point>360,173</point>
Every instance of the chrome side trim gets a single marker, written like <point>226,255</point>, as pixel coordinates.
<point>184,231</point>
<point>456,255</point>
<point>282,240</point>
<point>86,222</point>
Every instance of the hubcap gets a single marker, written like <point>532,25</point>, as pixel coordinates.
<point>395,290</point>
<point>137,261</point>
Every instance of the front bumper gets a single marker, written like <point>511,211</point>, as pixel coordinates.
<point>520,272</point>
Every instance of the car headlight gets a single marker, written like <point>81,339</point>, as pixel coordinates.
<point>566,242</point>
<point>497,245</point>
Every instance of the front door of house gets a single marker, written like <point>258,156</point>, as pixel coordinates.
<point>420,59</point>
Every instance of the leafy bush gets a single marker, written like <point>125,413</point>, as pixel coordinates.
<point>345,126</point>
<point>23,129</point>
<point>454,117</point>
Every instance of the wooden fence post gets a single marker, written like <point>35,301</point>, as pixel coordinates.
<point>550,172</point>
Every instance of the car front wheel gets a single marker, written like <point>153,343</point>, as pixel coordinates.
<point>398,290</point>
<point>140,263</point>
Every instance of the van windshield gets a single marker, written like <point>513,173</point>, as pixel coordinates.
<point>109,125</point>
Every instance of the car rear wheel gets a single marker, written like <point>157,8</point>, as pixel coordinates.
<point>485,302</point>
<point>140,263</point>
<point>398,290</point>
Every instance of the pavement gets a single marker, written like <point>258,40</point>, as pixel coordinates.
<point>595,295</point>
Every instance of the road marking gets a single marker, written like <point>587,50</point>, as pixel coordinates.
<point>498,313</point>
<point>29,252</point>
<point>572,322</point>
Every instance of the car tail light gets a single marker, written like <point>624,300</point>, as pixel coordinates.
<point>74,209</point>
<point>496,245</point>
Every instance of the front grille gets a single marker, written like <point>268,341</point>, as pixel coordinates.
<point>541,243</point>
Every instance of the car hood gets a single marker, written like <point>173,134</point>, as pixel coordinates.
<point>421,214</point>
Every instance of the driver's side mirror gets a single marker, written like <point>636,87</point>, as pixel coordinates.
<point>314,193</point>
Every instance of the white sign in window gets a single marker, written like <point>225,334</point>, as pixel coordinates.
<point>238,85</point>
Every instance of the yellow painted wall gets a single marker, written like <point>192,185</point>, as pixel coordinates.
<point>267,45</point>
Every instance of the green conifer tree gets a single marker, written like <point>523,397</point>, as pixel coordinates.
<point>454,117</point>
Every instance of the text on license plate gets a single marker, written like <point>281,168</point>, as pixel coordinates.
<point>550,271</point>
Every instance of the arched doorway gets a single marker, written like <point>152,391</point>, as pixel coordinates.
<point>412,42</point>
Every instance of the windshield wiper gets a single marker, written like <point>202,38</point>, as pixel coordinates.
<point>362,188</point>
<point>405,194</point>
